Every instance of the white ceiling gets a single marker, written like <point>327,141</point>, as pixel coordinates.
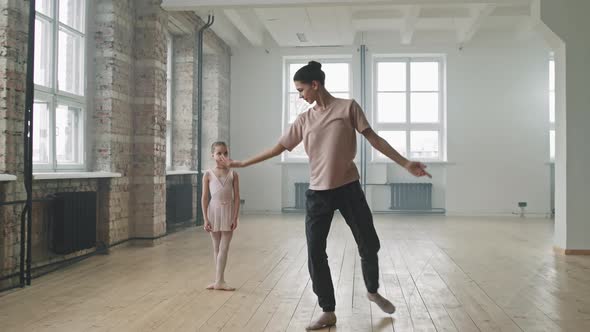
<point>337,22</point>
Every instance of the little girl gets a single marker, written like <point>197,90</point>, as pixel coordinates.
<point>221,211</point>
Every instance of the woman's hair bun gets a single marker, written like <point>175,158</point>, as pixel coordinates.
<point>310,72</point>
<point>314,65</point>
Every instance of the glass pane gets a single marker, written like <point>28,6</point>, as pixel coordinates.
<point>552,106</point>
<point>68,138</point>
<point>552,144</point>
<point>71,63</point>
<point>293,68</point>
<point>41,132</point>
<point>391,76</point>
<point>424,144</point>
<point>424,76</point>
<point>298,152</point>
<point>43,52</point>
<point>551,75</point>
<point>424,107</point>
<point>293,110</point>
<point>296,106</point>
<point>391,107</point>
<point>397,139</point>
<point>44,7</point>
<point>337,76</point>
<point>71,13</point>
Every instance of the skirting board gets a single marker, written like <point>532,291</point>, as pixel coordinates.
<point>573,252</point>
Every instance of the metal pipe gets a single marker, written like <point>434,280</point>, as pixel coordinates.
<point>22,246</point>
<point>363,99</point>
<point>210,20</point>
<point>28,145</point>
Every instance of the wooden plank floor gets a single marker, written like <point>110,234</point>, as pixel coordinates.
<point>444,274</point>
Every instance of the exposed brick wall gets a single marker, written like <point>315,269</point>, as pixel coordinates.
<point>114,213</point>
<point>216,76</point>
<point>149,121</point>
<point>184,96</point>
<point>13,61</point>
<point>215,103</point>
<point>216,93</point>
<point>126,124</point>
<point>13,56</point>
<point>113,119</point>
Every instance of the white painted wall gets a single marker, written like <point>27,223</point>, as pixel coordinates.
<point>567,20</point>
<point>498,128</point>
<point>498,141</point>
<point>255,124</point>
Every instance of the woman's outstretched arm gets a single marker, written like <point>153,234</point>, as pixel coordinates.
<point>414,167</point>
<point>270,153</point>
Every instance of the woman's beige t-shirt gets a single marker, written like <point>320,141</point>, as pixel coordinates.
<point>329,139</point>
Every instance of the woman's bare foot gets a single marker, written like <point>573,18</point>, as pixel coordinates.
<point>327,319</point>
<point>223,286</point>
<point>381,302</point>
<point>211,286</point>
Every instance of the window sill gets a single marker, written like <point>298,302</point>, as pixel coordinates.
<point>7,177</point>
<point>75,175</point>
<point>181,172</point>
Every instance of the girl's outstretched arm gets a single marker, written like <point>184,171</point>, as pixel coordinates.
<point>270,153</point>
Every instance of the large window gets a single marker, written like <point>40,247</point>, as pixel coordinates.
<point>169,105</point>
<point>338,83</point>
<point>60,102</point>
<point>408,108</point>
<point>552,109</point>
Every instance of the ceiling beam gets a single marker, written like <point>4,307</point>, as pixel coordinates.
<point>389,20</point>
<point>376,24</point>
<point>478,14</point>
<point>378,14</point>
<point>513,11</point>
<point>172,5</point>
<point>247,25</point>
<point>409,25</point>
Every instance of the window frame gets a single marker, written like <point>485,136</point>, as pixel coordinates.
<point>288,82</point>
<point>54,96</point>
<point>408,127</point>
